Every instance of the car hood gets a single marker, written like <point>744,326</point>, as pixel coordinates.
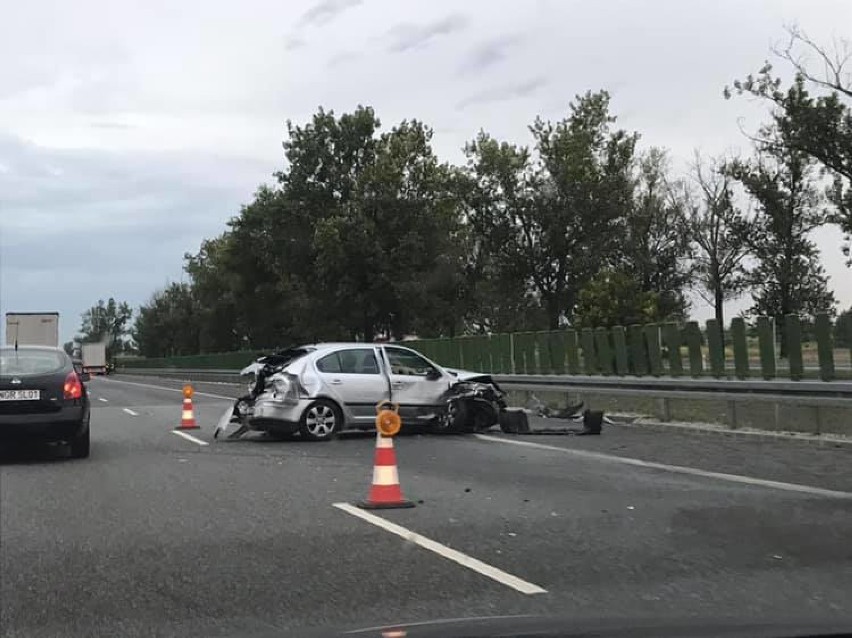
<point>467,375</point>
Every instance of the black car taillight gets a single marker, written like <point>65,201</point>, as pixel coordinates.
<point>73,388</point>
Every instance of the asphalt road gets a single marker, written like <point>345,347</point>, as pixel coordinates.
<point>156,534</point>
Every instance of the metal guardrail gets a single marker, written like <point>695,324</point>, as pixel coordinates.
<point>815,395</point>
<point>837,393</point>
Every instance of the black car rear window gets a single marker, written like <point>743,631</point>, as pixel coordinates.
<point>28,361</point>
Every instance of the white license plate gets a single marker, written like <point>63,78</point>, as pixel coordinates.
<point>20,395</point>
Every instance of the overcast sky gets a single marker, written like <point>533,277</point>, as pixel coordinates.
<point>131,131</point>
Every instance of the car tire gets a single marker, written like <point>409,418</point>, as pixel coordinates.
<point>321,421</point>
<point>80,445</point>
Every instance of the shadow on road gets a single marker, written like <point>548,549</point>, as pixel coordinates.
<point>32,453</point>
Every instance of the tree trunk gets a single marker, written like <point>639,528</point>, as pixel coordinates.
<point>719,307</point>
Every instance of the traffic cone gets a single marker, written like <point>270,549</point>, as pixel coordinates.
<point>187,419</point>
<point>385,492</point>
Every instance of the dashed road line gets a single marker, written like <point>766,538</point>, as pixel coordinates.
<point>189,437</point>
<point>102,399</point>
<point>130,412</point>
<point>456,556</point>
<point>677,469</point>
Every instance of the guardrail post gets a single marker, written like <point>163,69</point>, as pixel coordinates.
<point>692,336</point>
<point>619,340</point>
<point>572,352</point>
<point>825,347</point>
<point>732,415</point>
<point>542,346</point>
<point>716,347</point>
<point>664,412</point>
<point>605,357</point>
<point>766,345</point>
<point>672,339</point>
<point>587,343</point>
<point>652,340</point>
<point>738,336</point>
<point>556,342</point>
<point>637,350</point>
<point>518,354</point>
<point>793,343</point>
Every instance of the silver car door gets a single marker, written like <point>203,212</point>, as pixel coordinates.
<point>353,377</point>
<point>418,385</point>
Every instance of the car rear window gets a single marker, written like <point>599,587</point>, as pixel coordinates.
<point>28,362</point>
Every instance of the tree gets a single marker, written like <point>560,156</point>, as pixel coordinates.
<point>843,329</point>
<point>819,126</point>
<point>616,298</point>
<point>656,247</point>
<point>554,217</point>
<point>167,325</point>
<point>720,251</point>
<point>787,276</point>
<point>107,322</point>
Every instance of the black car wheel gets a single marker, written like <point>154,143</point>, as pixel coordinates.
<point>80,445</point>
<point>321,421</point>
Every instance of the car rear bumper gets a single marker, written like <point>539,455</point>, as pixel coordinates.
<point>277,416</point>
<point>65,424</point>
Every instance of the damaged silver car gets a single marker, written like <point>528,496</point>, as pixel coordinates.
<point>321,389</point>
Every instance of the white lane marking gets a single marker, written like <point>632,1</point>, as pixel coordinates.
<point>161,387</point>
<point>130,412</point>
<point>442,550</point>
<point>189,437</point>
<point>102,399</point>
<point>678,469</point>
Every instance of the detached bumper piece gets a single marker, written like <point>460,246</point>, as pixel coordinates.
<point>517,422</point>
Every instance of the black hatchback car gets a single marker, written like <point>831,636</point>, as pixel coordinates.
<point>43,398</point>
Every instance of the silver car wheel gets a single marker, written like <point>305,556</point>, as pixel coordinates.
<point>320,421</point>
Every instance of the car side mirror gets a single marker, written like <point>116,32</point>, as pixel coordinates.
<point>85,377</point>
<point>433,375</point>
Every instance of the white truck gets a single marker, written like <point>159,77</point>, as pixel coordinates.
<point>32,329</point>
<point>94,358</point>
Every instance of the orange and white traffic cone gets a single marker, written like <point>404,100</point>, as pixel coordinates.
<point>187,419</point>
<point>385,492</point>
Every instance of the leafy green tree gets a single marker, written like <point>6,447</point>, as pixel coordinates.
<point>616,298</point>
<point>820,124</point>
<point>843,329</point>
<point>554,217</point>
<point>168,324</point>
<point>719,250</point>
<point>107,322</point>
<point>656,246</point>
<point>787,276</point>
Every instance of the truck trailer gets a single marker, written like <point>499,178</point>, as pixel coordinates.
<point>32,329</point>
<point>94,358</point>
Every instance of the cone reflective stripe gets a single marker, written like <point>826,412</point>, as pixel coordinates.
<point>187,418</point>
<point>385,492</point>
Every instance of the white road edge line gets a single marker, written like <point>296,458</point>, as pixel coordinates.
<point>102,399</point>
<point>130,412</point>
<point>677,469</point>
<point>442,550</point>
<point>162,387</point>
<point>189,437</point>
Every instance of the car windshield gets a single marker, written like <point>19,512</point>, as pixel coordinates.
<point>28,362</point>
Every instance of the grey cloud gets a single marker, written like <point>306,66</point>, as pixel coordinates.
<point>130,216</point>
<point>293,42</point>
<point>503,93</point>
<point>341,58</point>
<point>407,36</point>
<point>325,11</point>
<point>489,53</point>
<point>121,126</point>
